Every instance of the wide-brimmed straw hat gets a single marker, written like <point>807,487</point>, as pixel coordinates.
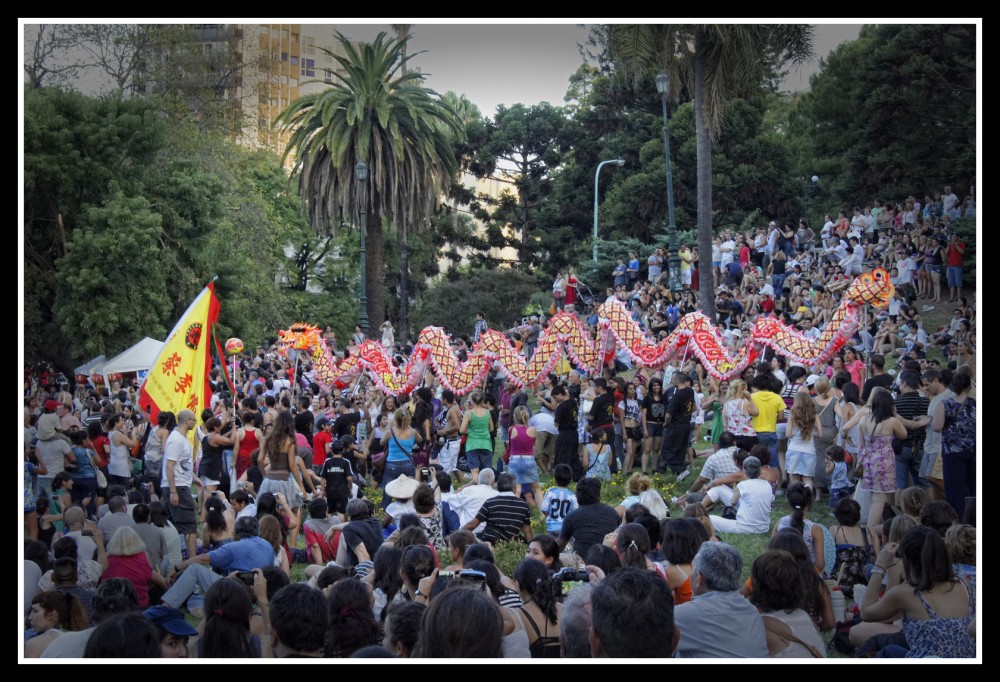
<point>402,488</point>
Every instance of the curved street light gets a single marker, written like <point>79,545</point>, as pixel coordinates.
<point>597,179</point>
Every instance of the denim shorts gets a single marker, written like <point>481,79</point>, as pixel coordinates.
<point>479,459</point>
<point>524,469</point>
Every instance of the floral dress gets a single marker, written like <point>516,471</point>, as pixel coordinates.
<point>432,524</point>
<point>878,462</point>
<point>940,637</point>
<point>738,421</point>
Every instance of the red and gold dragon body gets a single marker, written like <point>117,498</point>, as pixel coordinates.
<point>695,335</point>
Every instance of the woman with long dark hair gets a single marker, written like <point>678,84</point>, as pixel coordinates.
<point>352,624</point>
<point>227,620</point>
<point>541,607</point>
<point>937,607</point>
<point>277,460</point>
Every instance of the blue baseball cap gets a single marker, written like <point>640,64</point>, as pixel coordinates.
<point>170,619</point>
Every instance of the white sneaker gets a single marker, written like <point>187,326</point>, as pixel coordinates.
<point>927,308</point>
<point>684,474</point>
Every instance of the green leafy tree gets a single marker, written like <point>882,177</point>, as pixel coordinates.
<point>452,303</point>
<point>112,280</point>
<point>388,120</point>
<point>715,63</point>
<point>524,145</point>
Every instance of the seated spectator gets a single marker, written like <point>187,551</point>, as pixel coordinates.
<point>88,571</point>
<point>113,596</point>
<point>575,621</point>
<point>402,627</point>
<point>171,629</point>
<point>127,558</point>
<point>590,522</point>
<point>124,635</point>
<point>53,613</point>
<point>633,616</point>
<point>461,622</point>
<point>247,553</point>
<point>228,605</point>
<point>779,592</point>
<point>350,622</point>
<point>752,499</point>
<point>506,515</point>
<point>718,622</point>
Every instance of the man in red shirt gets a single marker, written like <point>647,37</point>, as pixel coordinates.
<point>956,258</point>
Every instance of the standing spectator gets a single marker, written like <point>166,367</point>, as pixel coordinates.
<point>558,292</point>
<point>955,254</point>
<point>935,384</point>
<point>955,419</point>
<point>620,273</point>
<point>178,474</point>
<point>878,377</point>
<point>480,328</point>
<point>686,258</point>
<point>632,271</point>
<point>655,265</point>
<point>559,500</point>
<point>719,622</point>
<point>770,408</point>
<point>911,407</point>
<point>677,431</point>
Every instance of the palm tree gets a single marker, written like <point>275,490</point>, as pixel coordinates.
<point>716,62</point>
<point>387,119</point>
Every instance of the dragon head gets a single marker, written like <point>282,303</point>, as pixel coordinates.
<point>871,287</point>
<point>300,336</point>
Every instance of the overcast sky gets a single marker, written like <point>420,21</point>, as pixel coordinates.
<point>496,63</point>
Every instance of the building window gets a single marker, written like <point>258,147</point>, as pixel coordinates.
<point>295,60</point>
<point>327,76</point>
<point>284,56</point>
<point>308,73</point>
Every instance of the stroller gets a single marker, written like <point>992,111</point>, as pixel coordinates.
<point>584,295</point>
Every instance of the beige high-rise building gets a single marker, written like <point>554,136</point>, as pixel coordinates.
<point>278,63</point>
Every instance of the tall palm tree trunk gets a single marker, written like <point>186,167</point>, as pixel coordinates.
<point>403,322</point>
<point>706,288</point>
<point>375,274</point>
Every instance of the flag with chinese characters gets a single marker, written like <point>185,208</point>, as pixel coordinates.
<point>178,379</point>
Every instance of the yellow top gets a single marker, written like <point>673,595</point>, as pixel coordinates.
<point>770,405</point>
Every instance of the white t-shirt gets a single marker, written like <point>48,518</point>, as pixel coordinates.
<point>905,268</point>
<point>178,450</point>
<point>754,512</point>
<point>728,248</point>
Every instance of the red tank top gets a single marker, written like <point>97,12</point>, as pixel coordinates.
<point>248,443</point>
<point>520,442</point>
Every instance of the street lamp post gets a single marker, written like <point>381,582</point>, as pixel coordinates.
<point>673,261</point>
<point>361,171</point>
<point>597,179</point>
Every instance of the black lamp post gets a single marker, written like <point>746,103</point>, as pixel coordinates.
<point>673,260</point>
<point>361,171</point>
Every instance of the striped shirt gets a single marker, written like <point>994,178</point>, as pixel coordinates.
<point>505,516</point>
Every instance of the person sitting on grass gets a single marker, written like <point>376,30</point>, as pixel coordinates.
<point>800,500</point>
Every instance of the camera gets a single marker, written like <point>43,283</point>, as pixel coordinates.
<point>425,474</point>
<point>146,487</point>
<point>246,577</point>
<point>87,533</point>
<point>569,574</point>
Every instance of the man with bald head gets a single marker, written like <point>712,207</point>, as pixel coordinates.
<point>178,475</point>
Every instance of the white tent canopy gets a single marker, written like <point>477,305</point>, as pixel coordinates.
<point>86,367</point>
<point>138,358</point>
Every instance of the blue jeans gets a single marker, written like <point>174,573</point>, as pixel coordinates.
<point>195,575</point>
<point>892,651</point>
<point>778,282</point>
<point>907,465</point>
<point>955,276</point>
<point>770,439</point>
<point>393,470</point>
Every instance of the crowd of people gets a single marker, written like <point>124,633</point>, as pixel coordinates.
<point>135,530</point>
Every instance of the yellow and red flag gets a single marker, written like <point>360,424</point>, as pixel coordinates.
<point>178,380</point>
